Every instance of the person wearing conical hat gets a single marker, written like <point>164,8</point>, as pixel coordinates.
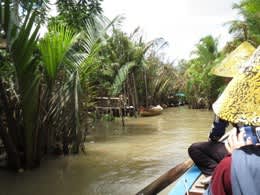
<point>240,101</point>
<point>239,173</point>
<point>206,155</point>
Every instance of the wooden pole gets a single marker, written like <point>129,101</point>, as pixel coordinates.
<point>121,108</point>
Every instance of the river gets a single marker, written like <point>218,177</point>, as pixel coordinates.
<point>118,160</point>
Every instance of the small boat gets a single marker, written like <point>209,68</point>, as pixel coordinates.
<point>153,111</point>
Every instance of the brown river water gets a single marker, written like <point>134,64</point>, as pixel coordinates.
<point>119,160</point>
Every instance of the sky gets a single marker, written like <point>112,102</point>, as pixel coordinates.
<point>182,23</point>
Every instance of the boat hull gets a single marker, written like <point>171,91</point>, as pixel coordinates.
<point>184,183</point>
<point>150,113</point>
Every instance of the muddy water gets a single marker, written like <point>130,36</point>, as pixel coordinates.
<point>119,160</point>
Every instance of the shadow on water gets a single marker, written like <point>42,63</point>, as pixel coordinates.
<point>119,160</point>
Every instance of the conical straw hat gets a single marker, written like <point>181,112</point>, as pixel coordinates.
<point>240,101</point>
<point>230,65</point>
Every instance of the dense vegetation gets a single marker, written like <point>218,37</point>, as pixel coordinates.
<point>201,87</point>
<point>49,84</point>
<point>41,83</point>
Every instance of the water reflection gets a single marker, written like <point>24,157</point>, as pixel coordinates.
<point>119,160</point>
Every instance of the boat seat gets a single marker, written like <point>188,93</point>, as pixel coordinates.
<point>198,188</point>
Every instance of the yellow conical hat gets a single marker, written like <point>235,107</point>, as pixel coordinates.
<point>230,65</point>
<point>240,101</point>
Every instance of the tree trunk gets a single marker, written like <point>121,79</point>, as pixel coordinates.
<point>39,135</point>
<point>10,140</point>
<point>78,132</point>
<point>47,126</point>
<point>132,90</point>
<point>13,156</point>
<point>135,91</point>
<point>128,91</point>
<point>11,122</point>
<point>146,90</point>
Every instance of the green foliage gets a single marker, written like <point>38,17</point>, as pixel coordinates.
<point>40,114</point>
<point>22,50</point>
<point>249,27</point>
<point>40,7</point>
<point>70,61</point>
<point>108,117</point>
<point>121,77</point>
<point>21,43</point>
<point>161,80</point>
<point>124,62</point>
<point>202,87</point>
<point>116,53</point>
<point>75,13</point>
<point>54,47</point>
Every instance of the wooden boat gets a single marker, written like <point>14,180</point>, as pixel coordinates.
<point>166,179</point>
<point>189,183</point>
<point>153,111</point>
<point>186,179</point>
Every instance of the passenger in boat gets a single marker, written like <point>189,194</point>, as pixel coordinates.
<point>206,155</point>
<point>239,172</point>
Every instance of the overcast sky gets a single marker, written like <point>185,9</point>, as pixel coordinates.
<point>180,22</point>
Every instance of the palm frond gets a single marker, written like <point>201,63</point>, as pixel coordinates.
<point>54,47</point>
<point>121,77</point>
<point>22,45</point>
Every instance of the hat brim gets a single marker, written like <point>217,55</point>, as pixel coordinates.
<point>230,65</point>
